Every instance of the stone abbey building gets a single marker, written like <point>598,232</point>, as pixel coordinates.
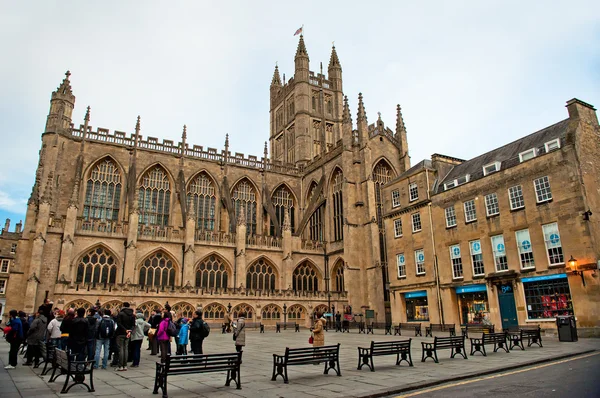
<point>119,217</point>
<point>331,218</point>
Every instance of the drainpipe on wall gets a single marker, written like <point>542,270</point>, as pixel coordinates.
<point>435,259</point>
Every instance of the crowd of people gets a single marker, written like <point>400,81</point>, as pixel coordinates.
<point>99,335</point>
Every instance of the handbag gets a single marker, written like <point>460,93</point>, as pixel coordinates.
<point>311,340</point>
<point>151,332</point>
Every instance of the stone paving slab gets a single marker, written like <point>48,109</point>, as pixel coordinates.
<point>305,381</point>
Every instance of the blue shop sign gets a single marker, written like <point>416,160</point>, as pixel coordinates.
<point>544,278</point>
<point>471,289</point>
<point>418,293</point>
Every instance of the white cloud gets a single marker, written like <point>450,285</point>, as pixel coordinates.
<point>12,204</point>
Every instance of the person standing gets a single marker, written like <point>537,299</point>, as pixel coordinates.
<point>240,332</point>
<point>78,334</point>
<point>54,332</point>
<point>198,332</point>
<point>319,332</point>
<point>154,322</point>
<point>91,341</point>
<point>105,332</point>
<point>14,337</point>
<point>137,337</point>
<point>125,324</point>
<point>65,326</point>
<point>35,335</point>
<point>338,322</point>
<point>163,337</point>
<point>183,337</point>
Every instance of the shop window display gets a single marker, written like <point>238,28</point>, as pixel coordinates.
<point>474,307</point>
<point>548,298</point>
<point>417,309</point>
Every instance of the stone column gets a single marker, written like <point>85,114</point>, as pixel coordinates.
<point>189,256</point>
<point>131,248</point>
<point>240,240</point>
<point>66,250</point>
<point>286,245</point>
<point>37,252</point>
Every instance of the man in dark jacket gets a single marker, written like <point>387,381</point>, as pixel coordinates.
<point>197,332</point>
<point>154,322</point>
<point>125,324</point>
<point>35,335</point>
<point>91,339</point>
<point>78,334</point>
<point>14,337</point>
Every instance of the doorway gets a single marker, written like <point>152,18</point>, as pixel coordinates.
<point>508,309</point>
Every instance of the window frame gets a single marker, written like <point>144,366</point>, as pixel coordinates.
<point>473,260</point>
<point>420,265</point>
<point>13,248</point>
<point>456,260</point>
<point>396,198</point>
<point>496,257</point>
<point>467,220</point>
<point>541,188</point>
<point>510,197</point>
<point>412,217</point>
<point>496,165</point>
<point>401,264</point>
<point>3,286</point>
<point>525,251</point>
<point>5,261</point>
<point>453,215</point>
<point>548,144</point>
<point>410,191</point>
<point>396,222</point>
<point>561,254</point>
<point>528,151</point>
<point>487,205</point>
<point>535,301</point>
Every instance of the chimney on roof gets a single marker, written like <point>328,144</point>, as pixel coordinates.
<point>7,224</point>
<point>579,110</point>
<point>18,227</point>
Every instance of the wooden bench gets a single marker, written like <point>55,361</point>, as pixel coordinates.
<point>74,370</point>
<point>47,353</point>
<point>400,348</point>
<point>285,325</point>
<point>498,339</point>
<point>408,326</point>
<point>440,327</point>
<point>379,325</point>
<point>255,325</point>
<point>200,363</point>
<point>330,354</point>
<point>456,344</point>
<point>477,329</point>
<point>533,334</point>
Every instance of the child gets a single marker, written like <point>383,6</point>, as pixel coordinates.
<point>183,337</point>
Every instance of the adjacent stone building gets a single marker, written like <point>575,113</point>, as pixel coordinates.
<point>117,217</point>
<point>512,235</point>
<point>8,249</point>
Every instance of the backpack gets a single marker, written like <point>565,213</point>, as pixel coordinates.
<point>106,329</point>
<point>205,330</point>
<point>171,329</point>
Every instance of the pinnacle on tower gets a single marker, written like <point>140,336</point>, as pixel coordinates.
<point>65,86</point>
<point>362,114</point>
<point>137,126</point>
<point>87,114</point>
<point>400,127</point>
<point>276,81</point>
<point>184,134</point>
<point>265,150</point>
<point>334,61</point>
<point>346,117</point>
<point>47,196</point>
<point>287,224</point>
<point>227,140</point>
<point>301,51</point>
<point>191,213</point>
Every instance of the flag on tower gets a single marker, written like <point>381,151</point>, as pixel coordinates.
<point>299,31</point>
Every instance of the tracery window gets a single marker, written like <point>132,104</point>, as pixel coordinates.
<point>243,307</point>
<point>79,304</point>
<point>183,309</point>
<point>103,192</point>
<point>338,277</point>
<point>211,273</point>
<point>155,197</point>
<point>296,312</point>
<point>97,266</point>
<point>271,311</point>
<point>157,270</point>
<point>147,308</point>
<point>202,192</point>
<point>114,306</point>
<point>261,276</point>
<point>315,222</point>
<point>382,174</point>
<point>283,200</point>
<point>244,198</point>
<point>214,311</point>
<point>338,206</point>
<point>305,278</point>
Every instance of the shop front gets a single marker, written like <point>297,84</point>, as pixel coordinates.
<point>473,303</point>
<point>547,297</point>
<point>417,309</point>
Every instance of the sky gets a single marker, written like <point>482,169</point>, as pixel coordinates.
<point>470,75</point>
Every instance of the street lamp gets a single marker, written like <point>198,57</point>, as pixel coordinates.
<point>573,266</point>
<point>284,316</point>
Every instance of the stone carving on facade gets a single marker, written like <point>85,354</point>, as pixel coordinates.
<point>68,239</point>
<point>34,278</point>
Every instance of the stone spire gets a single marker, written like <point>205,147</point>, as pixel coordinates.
<point>86,123</point>
<point>137,135</point>
<point>47,196</point>
<point>400,127</point>
<point>287,224</point>
<point>62,103</point>
<point>301,51</point>
<point>362,114</point>
<point>402,139</point>
<point>334,61</point>
<point>241,218</point>
<point>227,142</point>
<point>183,139</point>
<point>65,86</point>
<point>276,81</point>
<point>265,153</point>
<point>346,117</point>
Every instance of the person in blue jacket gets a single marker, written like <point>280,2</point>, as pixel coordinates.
<point>183,337</point>
<point>14,337</point>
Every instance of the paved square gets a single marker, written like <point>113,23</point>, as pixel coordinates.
<point>305,381</point>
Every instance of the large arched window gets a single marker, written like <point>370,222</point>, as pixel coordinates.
<point>261,276</point>
<point>282,201</point>
<point>157,270</point>
<point>155,197</point>
<point>244,197</point>
<point>97,266</point>
<point>211,273</point>
<point>271,311</point>
<point>296,312</point>
<point>245,308</point>
<point>202,192</point>
<point>338,277</point>
<point>147,308</point>
<point>78,304</point>
<point>382,174</point>
<point>183,309</point>
<point>103,192</point>
<point>338,205</point>
<point>305,278</point>
<point>316,221</point>
<point>214,311</point>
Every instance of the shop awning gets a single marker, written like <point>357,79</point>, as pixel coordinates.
<point>544,278</point>
<point>471,288</point>
<point>418,293</point>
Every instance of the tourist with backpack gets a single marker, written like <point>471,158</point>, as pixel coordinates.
<point>183,337</point>
<point>199,330</point>
<point>137,337</point>
<point>104,333</point>
<point>166,330</point>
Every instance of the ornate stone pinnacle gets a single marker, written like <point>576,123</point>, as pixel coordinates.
<point>241,218</point>
<point>191,213</point>
<point>184,133</point>
<point>287,224</point>
<point>87,114</point>
<point>400,127</point>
